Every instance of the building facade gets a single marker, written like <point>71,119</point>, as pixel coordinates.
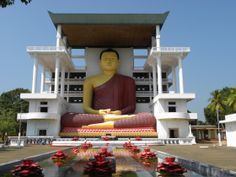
<point>158,71</point>
<point>230,128</point>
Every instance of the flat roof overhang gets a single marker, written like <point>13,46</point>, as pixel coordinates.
<point>109,30</point>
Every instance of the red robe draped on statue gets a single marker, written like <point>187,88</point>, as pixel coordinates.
<point>117,94</point>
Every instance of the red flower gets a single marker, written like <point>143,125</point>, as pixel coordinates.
<point>75,150</point>
<point>27,169</point>
<point>138,138</point>
<point>75,139</point>
<point>99,167</point>
<point>105,138</point>
<point>86,145</point>
<point>170,167</point>
<point>59,158</point>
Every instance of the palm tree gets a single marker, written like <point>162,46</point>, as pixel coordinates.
<point>216,102</point>
<point>231,99</point>
<point>217,105</point>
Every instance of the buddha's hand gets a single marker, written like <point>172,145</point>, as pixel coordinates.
<point>104,111</point>
<point>116,112</point>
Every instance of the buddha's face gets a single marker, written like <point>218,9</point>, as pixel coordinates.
<point>109,61</point>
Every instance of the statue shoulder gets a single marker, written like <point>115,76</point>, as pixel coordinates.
<point>127,78</point>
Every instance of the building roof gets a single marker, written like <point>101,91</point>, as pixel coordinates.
<point>229,118</point>
<point>108,30</point>
<point>204,127</point>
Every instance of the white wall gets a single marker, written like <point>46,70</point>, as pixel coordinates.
<point>76,107</point>
<point>162,105</point>
<point>142,107</point>
<point>34,105</point>
<point>92,60</point>
<point>163,127</point>
<point>231,133</point>
<point>52,127</point>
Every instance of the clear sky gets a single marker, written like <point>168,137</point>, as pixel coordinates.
<point>207,26</point>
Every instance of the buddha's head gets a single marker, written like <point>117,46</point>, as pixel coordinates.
<point>109,60</point>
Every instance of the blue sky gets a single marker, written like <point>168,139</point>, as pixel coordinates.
<point>208,27</point>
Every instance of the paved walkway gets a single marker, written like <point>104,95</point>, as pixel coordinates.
<point>223,157</point>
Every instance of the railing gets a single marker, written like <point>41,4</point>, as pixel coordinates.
<point>46,49</point>
<point>171,49</point>
<point>176,141</point>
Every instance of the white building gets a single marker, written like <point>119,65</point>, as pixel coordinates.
<point>60,88</point>
<point>230,128</point>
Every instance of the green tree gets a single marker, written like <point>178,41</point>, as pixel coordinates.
<point>10,105</point>
<point>5,3</point>
<point>224,101</point>
<point>8,124</point>
<point>231,99</point>
<point>216,103</point>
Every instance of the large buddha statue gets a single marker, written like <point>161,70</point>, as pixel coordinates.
<point>109,99</point>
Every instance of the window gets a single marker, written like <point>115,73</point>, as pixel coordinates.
<point>173,132</point>
<point>142,87</point>
<point>76,100</point>
<point>164,88</point>
<point>42,132</point>
<point>43,109</point>
<point>77,75</point>
<point>43,103</point>
<point>164,75</point>
<point>74,88</point>
<point>172,106</point>
<point>43,106</point>
<point>142,100</point>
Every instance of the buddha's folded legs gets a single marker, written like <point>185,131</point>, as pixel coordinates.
<point>134,121</point>
<point>113,117</point>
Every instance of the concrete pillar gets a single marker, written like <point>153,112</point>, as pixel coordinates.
<point>56,81</point>
<point>42,80</point>
<point>150,85</point>
<point>159,75</point>
<point>158,37</point>
<point>154,80</point>
<point>34,79</point>
<point>58,36</point>
<point>62,81</point>
<point>68,87</point>
<point>65,41</point>
<point>174,78</point>
<point>181,76</point>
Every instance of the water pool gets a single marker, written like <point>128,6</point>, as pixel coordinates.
<point>127,165</point>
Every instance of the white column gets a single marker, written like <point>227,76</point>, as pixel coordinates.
<point>65,41</point>
<point>50,86</point>
<point>181,77</point>
<point>154,80</point>
<point>150,85</point>
<point>56,81</point>
<point>34,79</point>
<point>42,80</point>
<point>158,37</point>
<point>62,81</point>
<point>159,75</point>
<point>58,36</point>
<point>174,78</point>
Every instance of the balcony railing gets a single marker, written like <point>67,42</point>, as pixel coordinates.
<point>171,49</point>
<point>46,49</point>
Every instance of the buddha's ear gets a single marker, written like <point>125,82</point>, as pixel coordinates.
<point>118,63</point>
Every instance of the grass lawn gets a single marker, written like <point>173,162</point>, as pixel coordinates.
<point>10,154</point>
<point>223,157</point>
